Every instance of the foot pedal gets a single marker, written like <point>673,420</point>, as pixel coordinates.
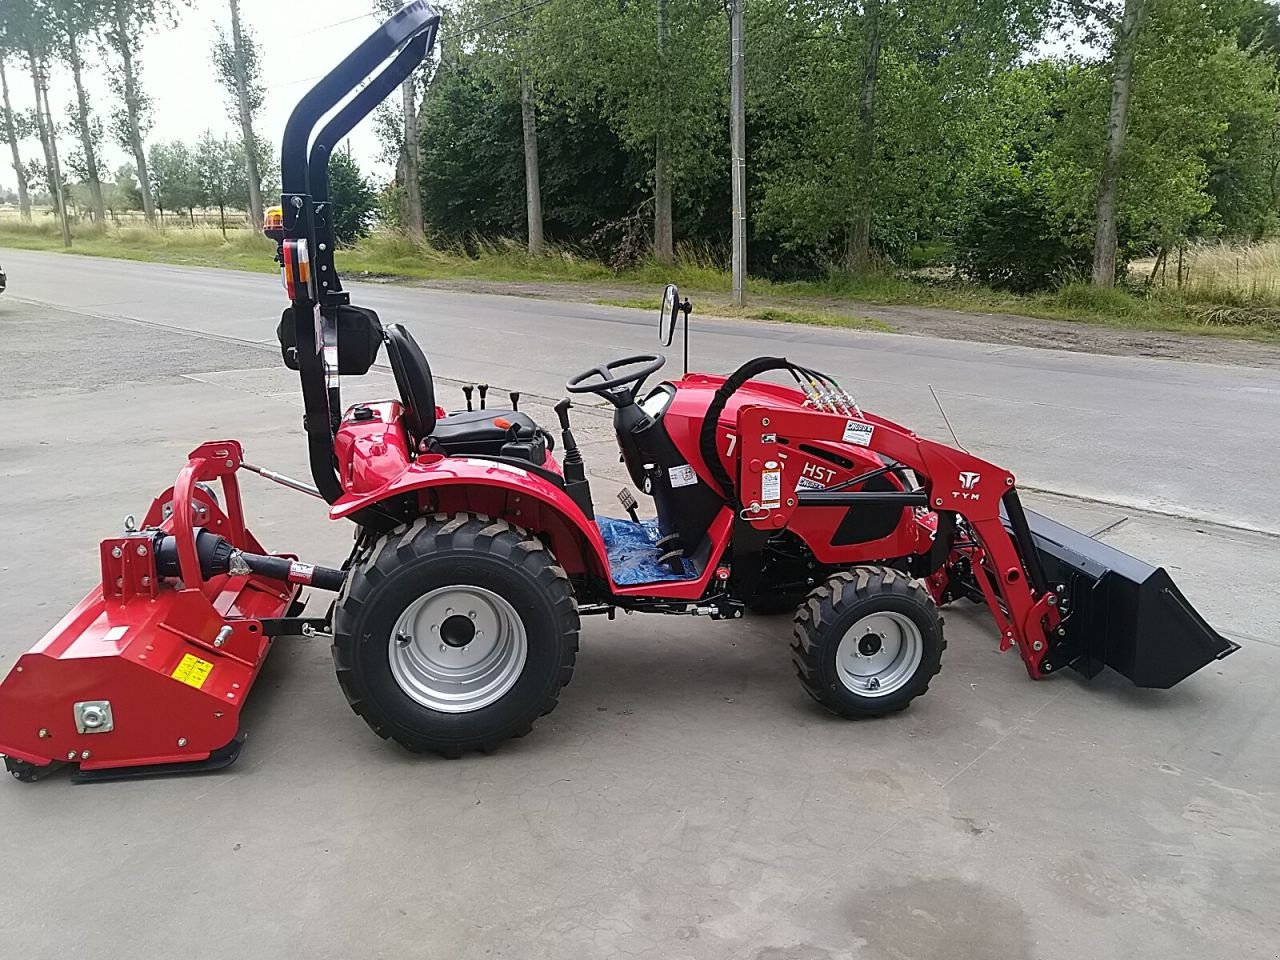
<point>673,560</point>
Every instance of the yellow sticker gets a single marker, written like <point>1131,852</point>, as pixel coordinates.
<point>192,671</point>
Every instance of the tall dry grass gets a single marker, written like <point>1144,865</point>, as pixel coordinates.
<point>1224,273</point>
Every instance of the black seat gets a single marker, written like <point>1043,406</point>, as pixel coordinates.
<point>413,380</point>
<point>473,431</point>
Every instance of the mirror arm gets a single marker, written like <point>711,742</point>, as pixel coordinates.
<point>686,308</point>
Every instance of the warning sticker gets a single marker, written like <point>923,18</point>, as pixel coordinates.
<point>771,486</point>
<point>300,572</point>
<point>682,476</point>
<point>858,433</point>
<point>192,671</point>
<point>808,483</point>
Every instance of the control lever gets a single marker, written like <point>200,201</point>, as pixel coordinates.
<point>467,389</point>
<point>575,473</point>
<point>515,399</point>
<point>629,503</point>
<point>484,388</point>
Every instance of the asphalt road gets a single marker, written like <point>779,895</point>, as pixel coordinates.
<point>686,799</point>
<point>1186,438</point>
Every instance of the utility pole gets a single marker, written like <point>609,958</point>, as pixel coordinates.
<point>738,149</point>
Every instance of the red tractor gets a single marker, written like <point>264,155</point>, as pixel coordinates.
<point>478,550</point>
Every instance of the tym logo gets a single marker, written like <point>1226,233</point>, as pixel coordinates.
<point>967,482</point>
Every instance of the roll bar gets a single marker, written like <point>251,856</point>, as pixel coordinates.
<point>315,289</point>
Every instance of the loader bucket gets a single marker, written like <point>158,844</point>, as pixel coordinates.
<point>1121,612</point>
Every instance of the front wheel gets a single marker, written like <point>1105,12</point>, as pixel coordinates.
<point>455,634</point>
<point>868,642</point>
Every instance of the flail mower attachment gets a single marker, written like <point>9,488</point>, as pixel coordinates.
<point>147,675</point>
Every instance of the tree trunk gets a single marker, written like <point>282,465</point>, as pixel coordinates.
<point>24,198</point>
<point>222,220</point>
<point>1105,238</point>
<point>246,116</point>
<point>132,102</point>
<point>413,221</point>
<point>663,239</point>
<point>44,125</point>
<point>82,121</point>
<point>859,244</point>
<point>738,150</point>
<point>532,180</point>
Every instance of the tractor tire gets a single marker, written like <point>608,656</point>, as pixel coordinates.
<point>868,642</point>
<point>455,634</point>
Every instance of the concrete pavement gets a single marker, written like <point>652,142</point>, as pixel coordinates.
<point>686,799</point>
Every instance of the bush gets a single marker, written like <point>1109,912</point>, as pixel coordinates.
<point>1008,240</point>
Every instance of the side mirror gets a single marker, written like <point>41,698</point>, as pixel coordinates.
<point>667,317</point>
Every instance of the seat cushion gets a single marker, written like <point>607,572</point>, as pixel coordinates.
<point>481,431</point>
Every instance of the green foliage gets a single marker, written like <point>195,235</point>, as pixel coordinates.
<point>1008,239</point>
<point>175,176</point>
<point>353,197</point>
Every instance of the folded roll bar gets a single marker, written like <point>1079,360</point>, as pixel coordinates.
<point>315,289</point>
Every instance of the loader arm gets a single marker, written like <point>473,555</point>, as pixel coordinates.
<point>956,484</point>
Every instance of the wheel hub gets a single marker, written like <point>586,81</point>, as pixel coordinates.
<point>879,654</point>
<point>457,631</point>
<point>458,648</point>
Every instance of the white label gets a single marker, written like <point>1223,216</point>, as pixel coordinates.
<point>682,476</point>
<point>496,465</point>
<point>771,486</point>
<point>808,483</point>
<point>300,572</point>
<point>115,634</point>
<point>858,433</point>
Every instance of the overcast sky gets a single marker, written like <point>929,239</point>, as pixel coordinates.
<point>178,75</point>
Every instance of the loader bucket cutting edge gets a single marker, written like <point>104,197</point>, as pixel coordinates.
<point>1121,612</point>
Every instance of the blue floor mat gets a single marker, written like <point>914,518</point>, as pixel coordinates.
<point>633,553</point>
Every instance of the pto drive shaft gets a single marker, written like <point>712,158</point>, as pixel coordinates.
<point>218,556</point>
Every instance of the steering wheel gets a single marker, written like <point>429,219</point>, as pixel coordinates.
<point>612,385</point>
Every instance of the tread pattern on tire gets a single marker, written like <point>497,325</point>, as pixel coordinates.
<point>438,533</point>
<point>823,605</point>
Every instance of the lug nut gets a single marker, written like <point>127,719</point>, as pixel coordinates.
<point>117,552</point>
<point>142,550</point>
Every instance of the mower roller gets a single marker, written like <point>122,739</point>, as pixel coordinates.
<point>478,550</point>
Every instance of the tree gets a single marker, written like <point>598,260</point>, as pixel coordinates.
<point>74,20</point>
<point>11,134</point>
<point>175,179</point>
<point>405,142</point>
<point>1124,49</point>
<point>221,167</point>
<point>126,23</point>
<point>353,198</point>
<point>238,66</point>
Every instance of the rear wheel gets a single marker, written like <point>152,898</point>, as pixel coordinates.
<point>867,643</point>
<point>455,634</point>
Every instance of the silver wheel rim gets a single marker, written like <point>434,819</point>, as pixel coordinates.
<point>879,654</point>
<point>458,648</point>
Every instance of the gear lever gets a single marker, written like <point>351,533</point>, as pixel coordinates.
<point>575,473</point>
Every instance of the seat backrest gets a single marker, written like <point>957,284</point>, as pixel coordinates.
<point>413,380</point>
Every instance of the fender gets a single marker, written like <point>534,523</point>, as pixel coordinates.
<point>497,489</point>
